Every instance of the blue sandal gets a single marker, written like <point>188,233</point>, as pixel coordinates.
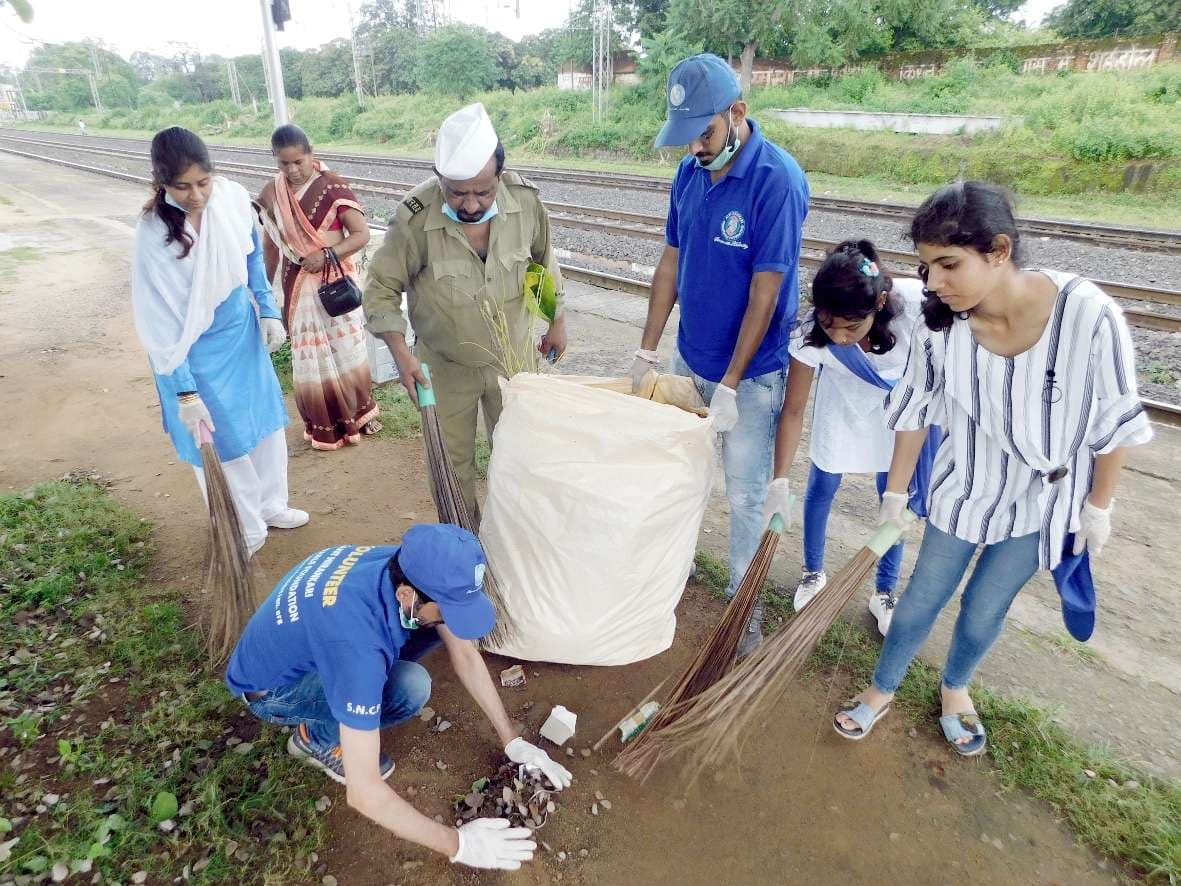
<point>965,725</point>
<point>863,715</point>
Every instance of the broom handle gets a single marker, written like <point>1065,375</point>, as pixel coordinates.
<point>888,534</point>
<point>643,701</point>
<point>426,396</point>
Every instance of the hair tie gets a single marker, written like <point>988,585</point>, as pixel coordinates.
<point>869,268</point>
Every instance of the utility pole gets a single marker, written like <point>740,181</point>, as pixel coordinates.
<point>232,74</point>
<point>358,77</point>
<point>601,64</point>
<point>272,66</point>
<point>98,105</point>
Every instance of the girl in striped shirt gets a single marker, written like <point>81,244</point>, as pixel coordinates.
<point>1032,375</point>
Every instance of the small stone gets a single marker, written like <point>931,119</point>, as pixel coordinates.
<point>443,726</point>
<point>186,809</point>
<point>598,795</point>
<point>202,864</point>
<point>895,837</point>
<point>547,847</point>
<point>328,880</point>
<point>912,732</point>
<point>439,819</point>
<point>1089,773</point>
<point>233,740</point>
<point>1131,785</point>
<point>426,714</point>
<point>586,752</point>
<point>1113,782</point>
<point>411,791</point>
<point>561,856</point>
<point>243,749</point>
<point>411,865</point>
<point>606,804</point>
<point>584,853</point>
<point>51,799</point>
<point>84,866</point>
<point>60,872</point>
<point>167,826</point>
<point>594,809</point>
<point>323,804</point>
<point>984,838</point>
<point>569,752</point>
<point>139,877</point>
<point>440,765</point>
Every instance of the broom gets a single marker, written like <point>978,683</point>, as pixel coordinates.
<point>708,727</point>
<point>229,582</point>
<point>448,496</point>
<point>714,660</point>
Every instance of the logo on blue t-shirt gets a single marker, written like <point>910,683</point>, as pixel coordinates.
<point>733,227</point>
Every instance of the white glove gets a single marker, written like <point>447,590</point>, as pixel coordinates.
<point>723,408</point>
<point>1094,528</point>
<point>192,412</point>
<point>273,334</point>
<point>520,751</point>
<point>778,502</point>
<point>645,362</point>
<point>892,509</point>
<point>491,844</point>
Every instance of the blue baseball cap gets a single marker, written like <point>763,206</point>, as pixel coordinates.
<point>447,564</point>
<point>698,88</point>
<point>1076,587</point>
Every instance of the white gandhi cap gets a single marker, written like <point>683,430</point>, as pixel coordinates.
<point>465,143</point>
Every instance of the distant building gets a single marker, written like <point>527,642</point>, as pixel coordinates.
<point>578,77</point>
<point>9,97</point>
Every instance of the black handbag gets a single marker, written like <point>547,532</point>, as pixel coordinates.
<point>341,295</point>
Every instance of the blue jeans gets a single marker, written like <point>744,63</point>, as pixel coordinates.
<point>1001,571</point>
<point>747,453</point>
<point>822,489</point>
<point>407,688</point>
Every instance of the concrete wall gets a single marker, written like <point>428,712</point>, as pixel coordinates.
<point>927,124</point>
<point>1121,54</point>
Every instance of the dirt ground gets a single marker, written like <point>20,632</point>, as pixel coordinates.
<point>803,807</point>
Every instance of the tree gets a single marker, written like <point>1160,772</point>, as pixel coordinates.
<point>1111,18</point>
<point>395,59</point>
<point>22,8</point>
<point>329,70</point>
<point>458,60</point>
<point>118,82</point>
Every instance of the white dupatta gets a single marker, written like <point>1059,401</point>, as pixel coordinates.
<point>173,299</point>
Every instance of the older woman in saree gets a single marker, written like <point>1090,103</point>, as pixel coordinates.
<point>309,213</point>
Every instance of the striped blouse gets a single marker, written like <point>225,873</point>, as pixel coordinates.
<point>1023,432</point>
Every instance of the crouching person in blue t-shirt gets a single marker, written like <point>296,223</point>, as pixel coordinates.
<point>334,652</point>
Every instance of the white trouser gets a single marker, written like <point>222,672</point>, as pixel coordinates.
<point>258,483</point>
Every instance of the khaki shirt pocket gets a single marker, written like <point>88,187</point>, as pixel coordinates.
<point>516,263</point>
<point>455,283</point>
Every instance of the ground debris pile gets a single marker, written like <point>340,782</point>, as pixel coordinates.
<point>513,793</point>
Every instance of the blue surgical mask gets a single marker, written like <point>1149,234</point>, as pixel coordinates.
<point>451,214</point>
<point>727,153</point>
<point>410,622</point>
<point>168,199</point>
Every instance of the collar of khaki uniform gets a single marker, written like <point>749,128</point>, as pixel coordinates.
<point>506,201</point>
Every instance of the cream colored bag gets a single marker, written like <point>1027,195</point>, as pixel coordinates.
<point>595,500</point>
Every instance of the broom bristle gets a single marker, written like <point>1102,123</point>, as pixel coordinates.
<point>230,598</point>
<point>452,508</point>
<point>708,729</point>
<point>716,656</point>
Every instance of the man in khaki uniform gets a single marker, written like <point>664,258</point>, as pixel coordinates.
<point>459,246</point>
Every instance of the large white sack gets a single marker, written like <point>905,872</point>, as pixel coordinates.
<point>595,500</point>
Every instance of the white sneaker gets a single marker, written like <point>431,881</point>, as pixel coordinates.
<point>811,584</point>
<point>881,607</point>
<point>292,518</point>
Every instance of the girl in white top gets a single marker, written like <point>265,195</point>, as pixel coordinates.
<point>1032,375</point>
<point>857,338</point>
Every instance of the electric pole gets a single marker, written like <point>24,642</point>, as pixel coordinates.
<point>272,66</point>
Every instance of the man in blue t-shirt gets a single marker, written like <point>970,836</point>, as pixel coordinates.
<point>735,222</point>
<point>334,651</point>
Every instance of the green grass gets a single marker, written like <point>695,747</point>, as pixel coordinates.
<point>11,259</point>
<point>83,620</point>
<point>1087,786</point>
<point>1158,373</point>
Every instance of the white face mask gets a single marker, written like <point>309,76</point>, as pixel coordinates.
<point>727,153</point>
<point>168,199</point>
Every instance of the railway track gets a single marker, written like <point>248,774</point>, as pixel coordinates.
<point>1106,235</point>
<point>632,225</point>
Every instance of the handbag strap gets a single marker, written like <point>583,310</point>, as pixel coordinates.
<point>331,264</point>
